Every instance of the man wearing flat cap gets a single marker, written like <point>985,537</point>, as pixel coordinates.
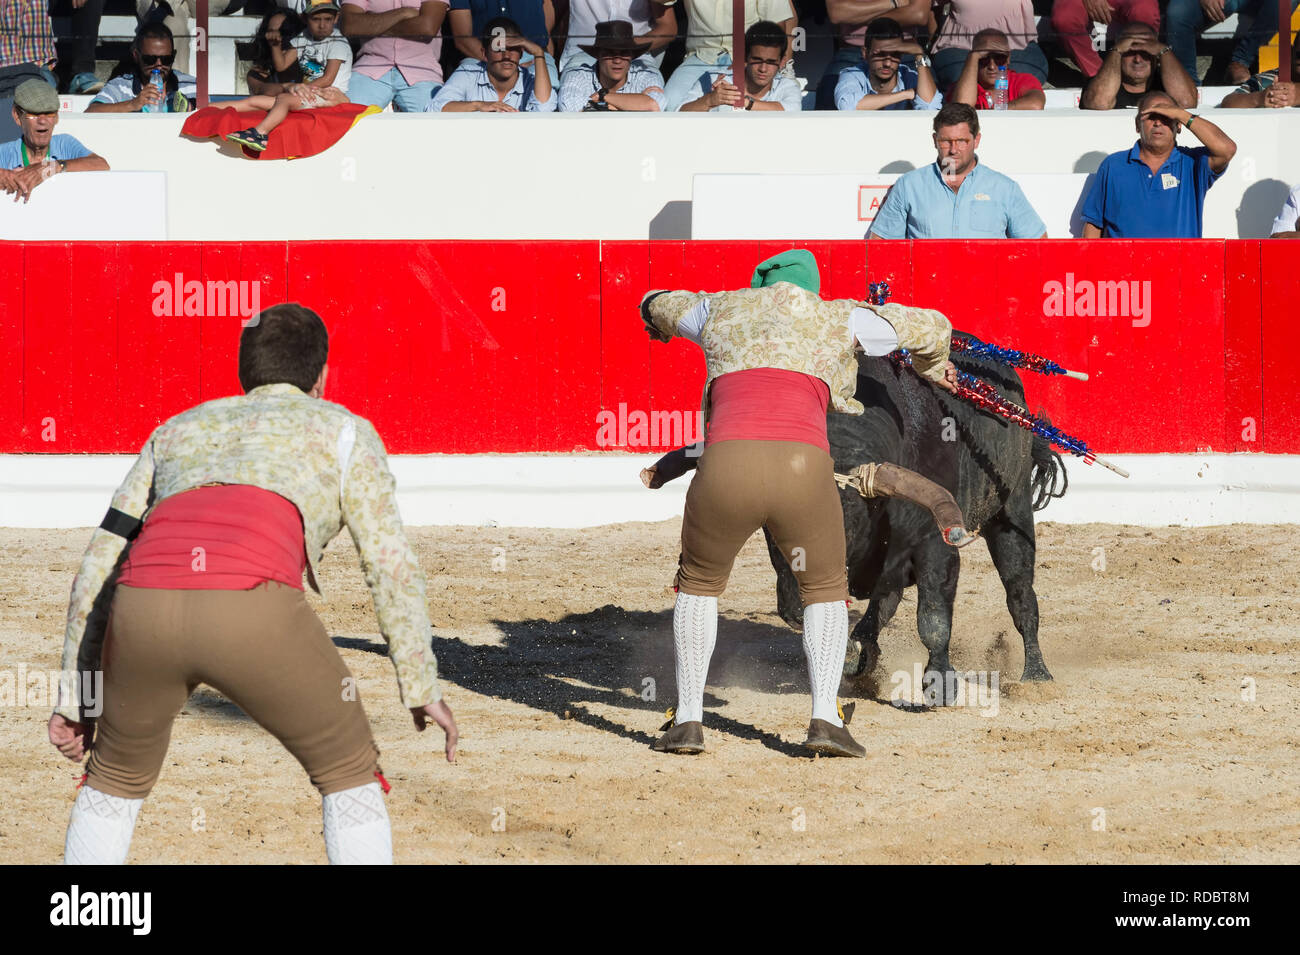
<point>38,154</point>
<point>618,80</point>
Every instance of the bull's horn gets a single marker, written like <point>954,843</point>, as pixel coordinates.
<point>890,480</point>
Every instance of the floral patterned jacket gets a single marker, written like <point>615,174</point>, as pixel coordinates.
<point>329,462</point>
<point>788,327</point>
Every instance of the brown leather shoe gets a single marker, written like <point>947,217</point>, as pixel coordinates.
<point>831,740</point>
<point>687,738</point>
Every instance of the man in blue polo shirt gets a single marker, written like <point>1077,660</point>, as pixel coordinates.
<point>1156,190</point>
<point>38,154</point>
<point>957,197</point>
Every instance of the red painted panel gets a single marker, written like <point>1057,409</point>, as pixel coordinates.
<point>12,277</point>
<point>1279,291</point>
<point>624,345</point>
<point>259,271</point>
<point>1243,374</point>
<point>160,289</point>
<point>511,346</point>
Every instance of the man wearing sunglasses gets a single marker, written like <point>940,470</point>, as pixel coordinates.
<point>882,81</point>
<point>38,154</point>
<point>1156,190</point>
<point>152,49</point>
<point>1136,65</point>
<point>990,53</point>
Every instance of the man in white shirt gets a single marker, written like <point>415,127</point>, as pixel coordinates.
<point>708,41</point>
<point>152,49</point>
<point>651,21</point>
<point>765,88</point>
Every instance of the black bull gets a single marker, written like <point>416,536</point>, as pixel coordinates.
<point>999,474</point>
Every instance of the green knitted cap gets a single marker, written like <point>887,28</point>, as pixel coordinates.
<point>798,267</point>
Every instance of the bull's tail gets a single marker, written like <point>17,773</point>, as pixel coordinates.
<point>1048,472</point>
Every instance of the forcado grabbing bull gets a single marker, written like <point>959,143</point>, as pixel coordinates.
<point>777,356</point>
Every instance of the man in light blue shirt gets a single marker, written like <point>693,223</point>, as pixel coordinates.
<point>956,197</point>
<point>881,80</point>
<point>37,154</point>
<point>497,84</point>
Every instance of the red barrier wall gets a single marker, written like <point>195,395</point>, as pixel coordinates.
<point>508,347</point>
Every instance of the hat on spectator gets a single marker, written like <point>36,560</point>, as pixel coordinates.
<point>798,267</point>
<point>36,96</point>
<point>320,6</point>
<point>615,36</point>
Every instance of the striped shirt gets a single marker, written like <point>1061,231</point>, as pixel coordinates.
<point>26,35</point>
<point>580,82</point>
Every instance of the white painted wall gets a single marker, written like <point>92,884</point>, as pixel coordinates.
<point>616,176</point>
<point>586,490</point>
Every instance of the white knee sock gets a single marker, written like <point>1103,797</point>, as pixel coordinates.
<point>99,832</point>
<point>825,637</point>
<point>695,631</point>
<point>356,827</point>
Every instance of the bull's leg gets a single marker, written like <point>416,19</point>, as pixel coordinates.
<point>936,589</point>
<point>864,643</point>
<point>1010,537</point>
<point>788,604</point>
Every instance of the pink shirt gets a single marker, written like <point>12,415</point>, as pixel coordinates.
<point>416,60</point>
<point>221,537</point>
<point>768,404</point>
<point>1015,18</point>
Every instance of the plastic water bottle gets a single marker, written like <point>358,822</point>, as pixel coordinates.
<point>156,81</point>
<point>1000,89</point>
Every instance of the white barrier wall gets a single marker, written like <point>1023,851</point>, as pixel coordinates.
<point>617,176</point>
<point>128,206</point>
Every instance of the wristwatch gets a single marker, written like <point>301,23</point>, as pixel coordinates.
<point>924,60</point>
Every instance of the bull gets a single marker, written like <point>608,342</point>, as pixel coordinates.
<point>999,474</point>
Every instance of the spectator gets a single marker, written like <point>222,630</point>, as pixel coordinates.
<point>1287,223</point>
<point>852,18</point>
<point>85,16</point>
<point>152,49</point>
<point>708,41</point>
<point>966,18</point>
<point>618,81</point>
<point>651,21</point>
<point>38,154</point>
<point>497,84</point>
<point>277,108</point>
<point>26,43</point>
<point>765,88</point>
<point>323,54</point>
<point>535,18</point>
<point>1073,19</point>
<point>1185,20</point>
<point>1137,65</point>
<point>884,82</point>
<point>990,52</point>
<point>1156,190</point>
<point>268,46</point>
<point>399,61</point>
<point>176,14</point>
<point>957,197</point>
<point>1263,89</point>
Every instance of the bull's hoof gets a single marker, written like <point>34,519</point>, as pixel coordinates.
<point>1035,673</point>
<point>860,659</point>
<point>939,687</point>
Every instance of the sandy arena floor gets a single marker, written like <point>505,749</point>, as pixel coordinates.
<point>1145,749</point>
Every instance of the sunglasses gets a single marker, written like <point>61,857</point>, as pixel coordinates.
<point>997,59</point>
<point>156,59</point>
